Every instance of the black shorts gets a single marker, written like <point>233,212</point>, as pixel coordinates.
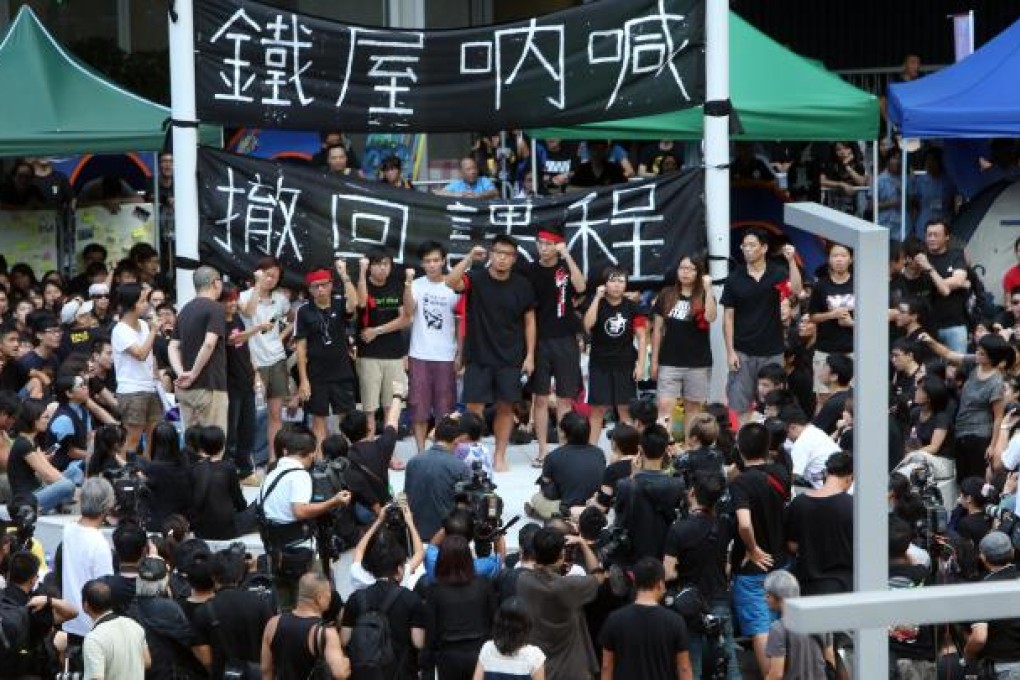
<point>489,385</point>
<point>335,395</point>
<point>611,386</point>
<point>558,358</point>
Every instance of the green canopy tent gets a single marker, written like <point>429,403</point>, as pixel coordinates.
<point>56,105</point>
<point>776,95</point>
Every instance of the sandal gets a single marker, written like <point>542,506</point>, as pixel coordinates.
<point>538,462</point>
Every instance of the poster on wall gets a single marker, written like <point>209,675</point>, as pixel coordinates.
<point>117,231</point>
<point>30,236</point>
<point>251,207</point>
<point>260,65</point>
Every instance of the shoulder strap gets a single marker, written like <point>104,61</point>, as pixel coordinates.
<point>390,599</point>
<point>269,490</point>
<point>368,472</point>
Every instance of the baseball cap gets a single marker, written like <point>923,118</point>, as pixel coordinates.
<point>98,289</point>
<point>152,569</point>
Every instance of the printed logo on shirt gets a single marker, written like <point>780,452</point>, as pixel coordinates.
<point>616,325</point>
<point>432,311</point>
<point>845,300</point>
<point>681,310</point>
<point>557,167</point>
<point>562,279</point>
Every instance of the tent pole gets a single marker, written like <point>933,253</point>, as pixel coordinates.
<point>535,183</point>
<point>903,195</point>
<point>717,166</point>
<point>874,182</point>
<point>185,143</point>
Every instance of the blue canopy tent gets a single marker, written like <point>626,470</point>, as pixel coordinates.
<point>977,97</point>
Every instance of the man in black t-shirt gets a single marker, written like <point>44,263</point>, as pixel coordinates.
<point>947,269</point>
<point>571,473</point>
<point>695,554</point>
<point>499,337</point>
<point>654,155</point>
<point>556,279</point>
<point>997,641</point>
<point>198,354</point>
<point>381,318</point>
<point>371,457</point>
<point>320,334</point>
<point>557,166</point>
<point>759,494</point>
<point>911,647</point>
<point>646,640</point>
<point>752,325</point>
<point>130,544</point>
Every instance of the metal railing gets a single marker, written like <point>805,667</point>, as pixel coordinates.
<point>875,80</point>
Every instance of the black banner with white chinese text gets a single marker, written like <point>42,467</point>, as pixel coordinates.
<point>251,207</point>
<point>264,66</point>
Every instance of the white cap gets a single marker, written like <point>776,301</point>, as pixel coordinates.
<point>99,289</point>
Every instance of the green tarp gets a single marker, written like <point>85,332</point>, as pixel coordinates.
<point>54,104</point>
<point>776,94</point>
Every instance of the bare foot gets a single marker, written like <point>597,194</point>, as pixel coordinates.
<point>502,466</point>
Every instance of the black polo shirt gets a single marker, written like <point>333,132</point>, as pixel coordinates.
<point>757,326</point>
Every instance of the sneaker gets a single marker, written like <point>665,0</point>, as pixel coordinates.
<point>251,480</point>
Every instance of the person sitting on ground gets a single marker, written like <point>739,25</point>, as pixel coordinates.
<point>571,474</point>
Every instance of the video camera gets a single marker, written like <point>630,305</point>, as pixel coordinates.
<point>336,531</point>
<point>933,528</point>
<point>478,496</point>
<point>1009,524</point>
<point>613,545</point>
<point>20,515</point>
<point>131,494</point>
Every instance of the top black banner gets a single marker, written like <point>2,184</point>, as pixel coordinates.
<point>257,65</point>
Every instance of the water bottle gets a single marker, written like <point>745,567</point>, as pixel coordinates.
<point>260,395</point>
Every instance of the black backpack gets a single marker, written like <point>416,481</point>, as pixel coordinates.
<point>14,630</point>
<point>371,646</point>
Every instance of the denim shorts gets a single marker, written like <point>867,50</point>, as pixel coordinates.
<point>749,606</point>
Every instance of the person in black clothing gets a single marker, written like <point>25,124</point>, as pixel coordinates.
<point>168,476</point>
<point>947,269</point>
<point>647,503</point>
<point>459,607</point>
<point>130,544</point>
<point>370,458</point>
<point>968,518</point>
<point>168,632</point>
<point>626,442</point>
<point>646,640</point>
<point>598,170</point>
<point>506,579</point>
<point>241,414</point>
<point>193,561</point>
<point>695,555</point>
<point>911,647</point>
<point>997,641</point>
<point>831,309</point>
<point>759,494</point>
<point>294,640</point>
<point>217,489</point>
<point>571,474</point>
<point>44,612</point>
<point>836,372</point>
<point>230,625</point>
<point>615,365</point>
<point>930,419</point>
<point>500,334</point>
<point>321,341</point>
<point>820,531</point>
<point>406,613</point>
<point>701,453</point>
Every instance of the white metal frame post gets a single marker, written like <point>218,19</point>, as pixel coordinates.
<point>185,141</point>
<point>871,420</point>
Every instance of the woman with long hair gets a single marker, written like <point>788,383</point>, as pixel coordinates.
<point>459,609</point>
<point>930,420</point>
<point>681,350</point>
<point>107,450</point>
<point>132,338</point>
<point>168,476</point>
<point>508,654</point>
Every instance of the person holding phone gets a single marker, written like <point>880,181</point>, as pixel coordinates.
<point>29,468</point>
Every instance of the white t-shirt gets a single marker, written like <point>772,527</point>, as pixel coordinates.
<point>296,487</point>
<point>810,453</point>
<point>433,331</point>
<point>266,348</point>
<point>526,661</point>
<point>132,375</point>
<point>86,555</point>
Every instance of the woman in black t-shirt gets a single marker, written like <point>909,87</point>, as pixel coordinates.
<point>615,366</point>
<point>681,350</point>
<point>832,311</point>
<point>217,489</point>
<point>107,451</point>
<point>168,476</point>
<point>459,608</point>
<point>29,470</point>
<point>930,420</point>
<point>841,176</point>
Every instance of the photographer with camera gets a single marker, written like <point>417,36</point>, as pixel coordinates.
<point>285,507</point>
<point>432,477</point>
<point>461,522</point>
<point>695,556</point>
<point>41,613</point>
<point>650,501</point>
<point>397,520</point>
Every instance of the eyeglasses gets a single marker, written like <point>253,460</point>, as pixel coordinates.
<point>100,296</point>
<point>750,246</point>
<point>320,284</point>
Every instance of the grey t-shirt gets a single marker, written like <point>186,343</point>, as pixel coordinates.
<point>804,660</point>
<point>974,416</point>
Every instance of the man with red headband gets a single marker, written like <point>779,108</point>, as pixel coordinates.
<point>499,338</point>
<point>320,330</point>
<point>556,279</point>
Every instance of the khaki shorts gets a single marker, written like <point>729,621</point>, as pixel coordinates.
<point>817,365</point>
<point>203,407</point>
<point>276,380</point>
<point>684,383</point>
<point>545,508</point>
<point>375,379</point>
<point>139,408</point>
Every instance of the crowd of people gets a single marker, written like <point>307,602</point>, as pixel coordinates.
<point>665,530</point>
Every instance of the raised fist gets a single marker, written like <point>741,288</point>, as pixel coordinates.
<point>479,253</point>
<point>561,249</point>
<point>600,291</point>
<point>363,263</point>
<point>341,266</point>
<point>789,252</point>
<point>409,274</point>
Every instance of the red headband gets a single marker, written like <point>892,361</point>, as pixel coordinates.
<point>550,236</point>
<point>318,276</point>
